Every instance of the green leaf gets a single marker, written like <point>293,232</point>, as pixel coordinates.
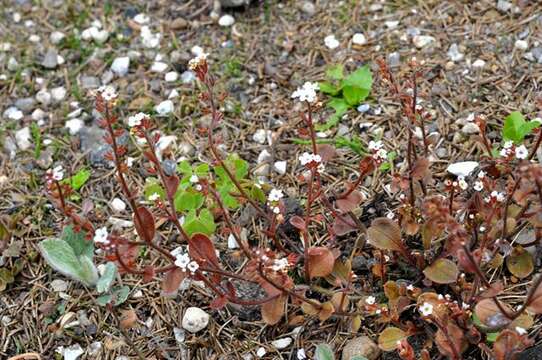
<point>106,280</point>
<point>203,223</point>
<point>341,107</point>
<point>202,170</point>
<point>361,78</point>
<point>152,186</point>
<point>516,128</point>
<point>224,190</point>
<point>328,88</point>
<point>185,168</point>
<point>36,135</point>
<point>492,337</point>
<point>104,299</point>
<point>354,95</point>
<point>78,180</point>
<point>79,244</point>
<point>61,257</point>
<point>120,294</point>
<point>335,72</point>
<point>188,200</point>
<point>323,352</point>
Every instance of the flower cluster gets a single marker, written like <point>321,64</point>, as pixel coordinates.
<point>509,149</point>
<point>101,237</point>
<point>56,174</point>
<point>312,160</point>
<point>136,120</point>
<point>183,261</point>
<point>495,196</point>
<point>273,199</point>
<point>379,153</point>
<point>198,61</point>
<point>306,93</point>
<point>107,93</point>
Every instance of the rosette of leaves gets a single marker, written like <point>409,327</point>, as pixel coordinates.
<point>345,91</point>
<point>516,128</point>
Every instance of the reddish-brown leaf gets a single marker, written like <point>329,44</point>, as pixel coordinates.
<point>273,310</point>
<point>218,302</point>
<point>384,234</point>
<point>326,151</point>
<point>128,319</point>
<point>456,339</point>
<point>389,337</point>
<point>442,271</point>
<point>343,224</point>
<point>144,224</point>
<point>298,222</point>
<point>420,169</point>
<point>350,202</point>
<point>326,311</point>
<point>172,281</point>
<point>535,306</point>
<point>148,273</point>
<point>489,313</point>
<point>203,250</point>
<point>321,261</point>
<point>172,183</point>
<point>508,344</point>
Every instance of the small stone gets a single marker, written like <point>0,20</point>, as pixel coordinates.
<point>226,20</point>
<point>171,76</point>
<point>233,3</point>
<point>331,42</point>
<point>58,93</point>
<point>74,126</point>
<point>521,45</point>
<point>56,37</point>
<point>392,24</point>
<point>479,64</point>
<point>261,136</point>
<point>196,50</point>
<point>537,53</point>
<point>394,59</point>
<point>421,41</point>
<point>463,168</point>
<point>118,205</point>
<point>34,38</point>
<point>282,343</point>
<point>308,8</point>
<point>261,352</point>
<point>361,346</point>
<point>188,76</point>
<point>232,242</point>
<point>280,167</point>
<point>23,138</point>
<point>164,108</point>
<point>359,39</point>
<point>159,67</point>
<point>100,36</point>
<point>264,156</point>
<point>38,114</point>
<point>25,104</point>
<point>195,319</point>
<point>454,54</point>
<point>470,128</point>
<point>121,65</point>
<point>179,335</point>
<point>50,60</point>
<point>363,108</point>
<point>142,19</point>
<point>89,82</point>
<point>503,5</point>
<point>43,96</point>
<point>94,348</point>
<point>13,64</point>
<point>59,285</point>
<point>179,23</point>
<point>71,353</point>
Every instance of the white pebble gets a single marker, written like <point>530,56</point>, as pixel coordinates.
<point>13,113</point>
<point>196,50</point>
<point>159,67</point>
<point>392,24</point>
<point>331,42</point>
<point>463,168</point>
<point>359,39</point>
<point>232,243</point>
<point>58,93</point>
<point>43,96</point>
<point>121,65</point>
<point>521,45</point>
<point>261,136</point>
<point>74,126</point>
<point>171,76</point>
<point>280,167</point>
<point>164,108</point>
<point>59,285</point>
<point>421,41</point>
<point>23,137</point>
<point>478,64</point>
<point>56,37</point>
<point>195,319</point>
<point>142,19</point>
<point>282,343</point>
<point>118,205</point>
<point>226,20</point>
<point>261,352</point>
<point>38,114</point>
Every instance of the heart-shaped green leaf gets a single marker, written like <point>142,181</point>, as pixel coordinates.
<point>106,280</point>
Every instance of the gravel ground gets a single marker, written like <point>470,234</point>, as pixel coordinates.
<point>479,57</point>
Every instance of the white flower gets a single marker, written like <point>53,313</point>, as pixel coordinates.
<point>307,158</point>
<point>307,92</point>
<point>331,42</point>
<point>390,215</point>
<point>276,210</point>
<point>182,260</point>
<point>108,93</point>
<point>375,145</point>
<point>154,197</point>
<point>521,330</point>
<point>481,174</point>
<point>100,236</point>
<point>370,300</point>
<point>426,309</point>
<point>522,152</point>
<point>504,152</point>
<point>199,60</point>
<point>193,266</point>
<point>478,186</point>
<point>136,119</point>
<point>280,264</point>
<point>497,195</point>
<point>275,195</point>
<point>177,251</point>
<point>58,173</point>
<point>194,179</point>
<point>508,144</point>
<point>410,287</point>
<point>382,154</point>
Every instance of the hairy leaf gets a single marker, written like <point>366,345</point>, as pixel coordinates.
<point>388,338</point>
<point>172,281</point>
<point>321,261</point>
<point>273,310</point>
<point>323,352</point>
<point>350,202</point>
<point>384,234</point>
<point>106,280</point>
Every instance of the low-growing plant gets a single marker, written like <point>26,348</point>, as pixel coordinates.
<point>428,259</point>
